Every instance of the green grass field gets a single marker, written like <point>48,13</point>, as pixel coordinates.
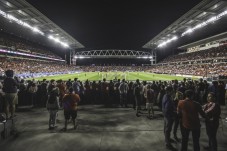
<point>95,76</point>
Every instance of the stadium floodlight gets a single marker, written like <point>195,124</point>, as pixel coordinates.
<point>81,57</point>
<point>20,22</point>
<point>58,41</point>
<point>211,20</point>
<point>64,44</point>
<point>167,41</point>
<point>35,29</point>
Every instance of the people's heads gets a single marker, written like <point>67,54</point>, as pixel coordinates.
<point>52,82</point>
<point>70,90</point>
<point>148,86</point>
<point>104,79</point>
<point>215,83</point>
<point>169,90</point>
<point>22,81</point>
<point>189,94</point>
<point>9,73</point>
<point>75,79</point>
<point>210,97</point>
<point>180,95</point>
<point>137,80</point>
<point>123,80</point>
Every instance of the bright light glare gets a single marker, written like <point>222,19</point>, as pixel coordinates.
<point>58,41</point>
<point>20,22</point>
<point>167,41</point>
<point>35,29</point>
<point>211,20</point>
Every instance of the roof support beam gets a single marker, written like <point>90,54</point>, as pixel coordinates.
<point>17,9</point>
<point>205,11</point>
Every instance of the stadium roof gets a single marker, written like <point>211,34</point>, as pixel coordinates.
<point>202,14</point>
<point>22,12</point>
<point>204,41</point>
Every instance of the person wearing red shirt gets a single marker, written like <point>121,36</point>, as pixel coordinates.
<point>70,102</point>
<point>189,110</point>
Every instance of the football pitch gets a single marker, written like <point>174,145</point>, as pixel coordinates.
<point>129,76</point>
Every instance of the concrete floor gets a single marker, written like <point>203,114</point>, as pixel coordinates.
<point>99,129</point>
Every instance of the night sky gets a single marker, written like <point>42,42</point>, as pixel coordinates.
<point>113,24</point>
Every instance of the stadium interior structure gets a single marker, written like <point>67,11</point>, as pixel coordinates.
<point>28,34</point>
<point>33,46</point>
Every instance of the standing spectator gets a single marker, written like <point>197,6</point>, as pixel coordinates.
<point>70,102</point>
<point>105,92</point>
<point>221,93</point>
<point>150,97</point>
<point>76,86</point>
<point>32,90</point>
<point>52,103</point>
<point>123,90</point>
<point>189,110</point>
<point>62,90</point>
<point>43,92</point>
<point>69,84</point>
<point>1,98</point>
<point>160,96</point>
<point>22,92</point>
<point>137,88</point>
<point>179,96</point>
<point>168,112</point>
<point>10,88</point>
<point>213,112</point>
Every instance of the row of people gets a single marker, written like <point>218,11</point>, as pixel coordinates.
<point>17,44</point>
<point>215,52</point>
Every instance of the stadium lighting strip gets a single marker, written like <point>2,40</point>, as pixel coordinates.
<point>57,40</point>
<point>35,29</point>
<point>80,57</point>
<point>167,41</point>
<point>211,20</point>
<point>146,57</point>
<point>28,55</point>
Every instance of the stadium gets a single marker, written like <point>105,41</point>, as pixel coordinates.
<point>116,65</point>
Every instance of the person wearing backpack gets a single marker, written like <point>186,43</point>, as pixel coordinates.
<point>53,103</point>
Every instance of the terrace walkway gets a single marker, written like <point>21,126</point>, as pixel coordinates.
<point>99,129</point>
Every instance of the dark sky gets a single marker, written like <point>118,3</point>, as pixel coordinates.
<point>113,24</point>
